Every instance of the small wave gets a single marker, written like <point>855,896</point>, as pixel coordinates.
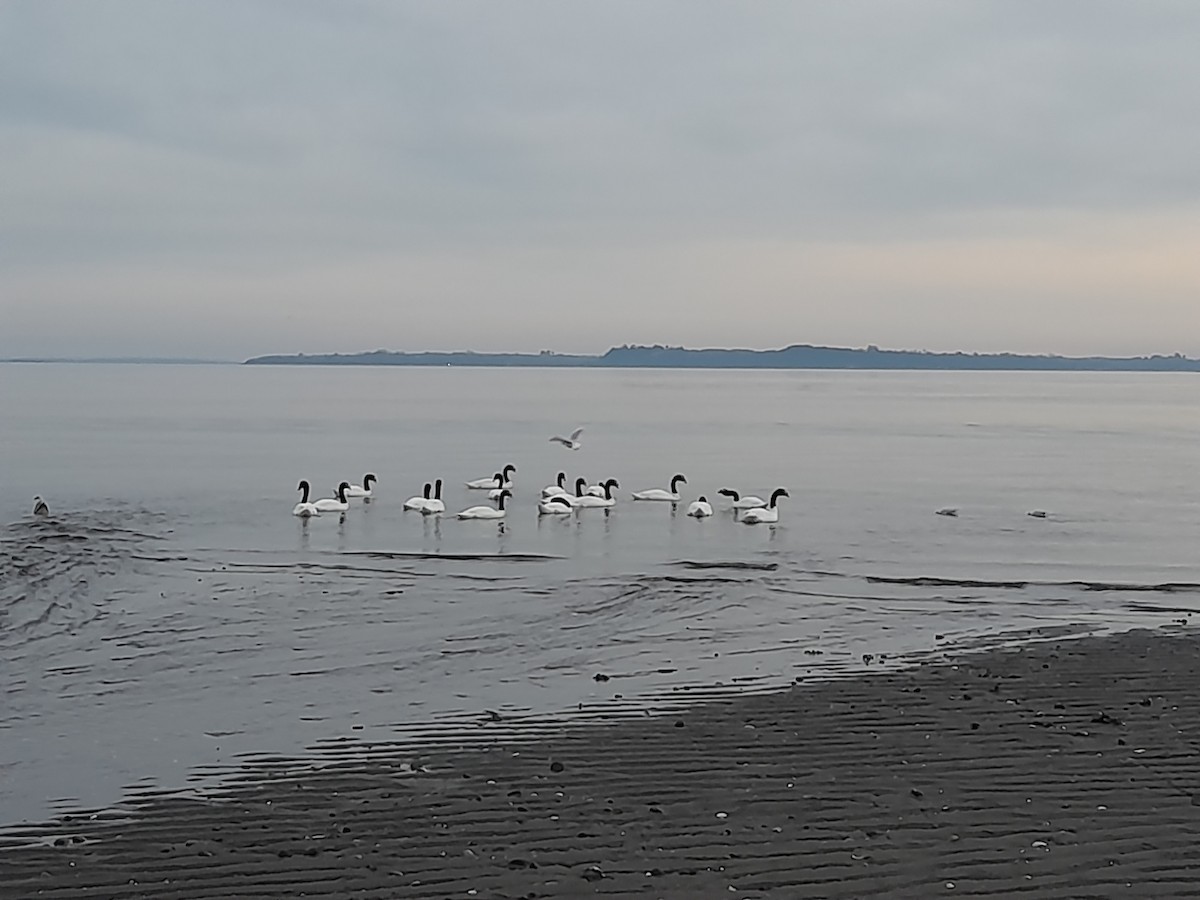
<point>932,581</point>
<point>730,564</point>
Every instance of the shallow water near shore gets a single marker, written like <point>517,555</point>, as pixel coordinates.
<point>171,617</point>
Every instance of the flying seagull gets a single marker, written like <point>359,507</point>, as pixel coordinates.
<point>571,443</point>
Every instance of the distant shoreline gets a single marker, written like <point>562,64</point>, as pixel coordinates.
<point>118,361</point>
<point>797,356</point>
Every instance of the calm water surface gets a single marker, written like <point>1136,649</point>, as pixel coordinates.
<point>172,618</point>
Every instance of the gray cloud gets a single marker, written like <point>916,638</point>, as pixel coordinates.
<point>190,175</point>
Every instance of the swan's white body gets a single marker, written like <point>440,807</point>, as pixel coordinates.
<point>668,496</point>
<point>595,490</point>
<point>655,494</point>
<point>418,503</point>
<point>700,508</point>
<point>591,501</point>
<point>768,514</point>
<point>486,512</point>
<point>362,490</point>
<point>485,484</point>
<point>761,514</point>
<point>558,505</point>
<point>571,443</point>
<point>481,512</point>
<point>434,504</point>
<point>334,504</point>
<point>41,509</point>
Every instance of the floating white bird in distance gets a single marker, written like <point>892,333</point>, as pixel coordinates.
<point>39,507</point>
<point>571,443</point>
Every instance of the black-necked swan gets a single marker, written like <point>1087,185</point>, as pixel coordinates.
<point>362,490</point>
<point>303,509</point>
<point>571,443</point>
<point>335,504</point>
<point>484,484</point>
<point>700,508</point>
<point>557,489</point>
<point>498,485</point>
<point>767,514</point>
<point>41,509</point>
<point>419,502</point>
<point>486,512</point>
<point>590,501</point>
<point>740,502</point>
<point>435,504</point>
<point>671,496</point>
<point>558,505</point>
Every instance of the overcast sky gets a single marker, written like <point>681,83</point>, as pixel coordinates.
<point>228,179</point>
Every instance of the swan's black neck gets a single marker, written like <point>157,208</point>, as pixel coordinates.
<point>732,495</point>
<point>428,486</point>
<point>580,484</point>
<point>510,468</point>
<point>608,488</point>
<point>562,477</point>
<point>342,488</point>
<point>367,479</point>
<point>499,479</point>
<point>437,490</point>
<point>303,486</point>
<point>503,496</point>
<point>779,492</point>
<point>675,482</point>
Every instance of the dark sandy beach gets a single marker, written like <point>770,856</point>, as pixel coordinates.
<point>1066,770</point>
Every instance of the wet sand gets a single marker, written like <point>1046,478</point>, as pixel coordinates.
<point>1065,770</point>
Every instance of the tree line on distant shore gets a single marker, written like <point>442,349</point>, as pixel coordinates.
<point>797,356</point>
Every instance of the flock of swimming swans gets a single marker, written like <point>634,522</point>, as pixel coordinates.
<point>553,500</point>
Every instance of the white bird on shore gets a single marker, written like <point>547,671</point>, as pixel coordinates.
<point>556,490</point>
<point>434,505</point>
<point>768,514</point>
<point>41,509</point>
<point>558,505</point>
<point>700,508</point>
<point>486,512</point>
<point>947,511</point>
<point>484,484</point>
<point>740,502</point>
<point>571,443</point>
<point>591,501</point>
<point>418,503</point>
<point>362,490</point>
<point>335,504</point>
<point>671,496</point>
<point>303,509</point>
